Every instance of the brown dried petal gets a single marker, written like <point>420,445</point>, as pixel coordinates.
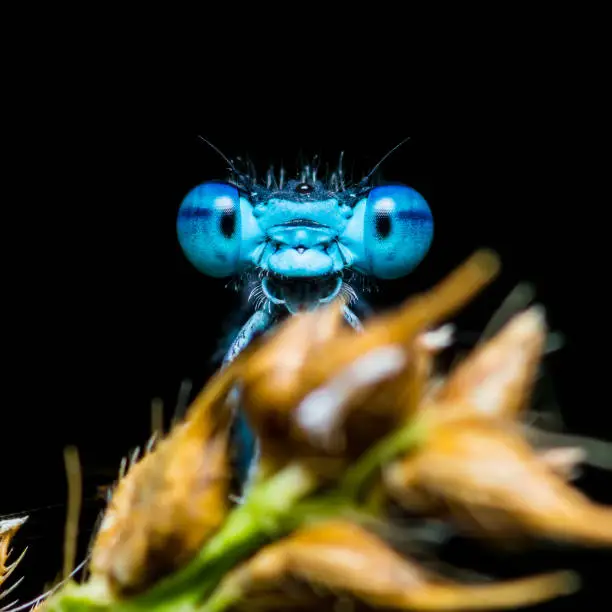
<point>170,502</point>
<point>272,382</point>
<point>564,460</point>
<point>497,378</point>
<point>484,473</point>
<point>344,558</point>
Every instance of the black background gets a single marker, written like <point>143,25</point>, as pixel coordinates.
<point>105,312</point>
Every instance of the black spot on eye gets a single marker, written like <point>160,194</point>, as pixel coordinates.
<point>304,188</point>
<point>228,223</point>
<point>383,224</point>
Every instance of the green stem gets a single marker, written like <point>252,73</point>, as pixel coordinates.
<point>332,505</point>
<point>381,453</point>
<point>223,598</point>
<point>246,528</point>
<point>263,510</point>
<point>270,510</point>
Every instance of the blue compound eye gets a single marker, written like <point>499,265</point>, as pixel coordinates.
<point>398,230</point>
<point>209,228</point>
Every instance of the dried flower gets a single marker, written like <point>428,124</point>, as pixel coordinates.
<point>475,463</point>
<point>168,504</point>
<point>325,393</point>
<point>333,409</point>
<point>8,529</point>
<point>341,557</point>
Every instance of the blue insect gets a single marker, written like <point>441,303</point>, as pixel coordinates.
<point>300,242</point>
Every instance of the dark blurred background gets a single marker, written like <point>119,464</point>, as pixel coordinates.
<point>106,313</point>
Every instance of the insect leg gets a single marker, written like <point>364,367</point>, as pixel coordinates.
<point>244,443</point>
<point>257,324</point>
<point>352,319</point>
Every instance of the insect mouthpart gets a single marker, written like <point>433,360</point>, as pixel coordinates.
<point>300,294</point>
<point>303,223</point>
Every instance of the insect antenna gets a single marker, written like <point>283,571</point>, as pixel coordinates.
<point>240,175</point>
<point>366,179</point>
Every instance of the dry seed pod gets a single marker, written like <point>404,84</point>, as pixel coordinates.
<point>170,502</point>
<point>491,481</point>
<point>371,396</point>
<point>8,529</point>
<point>476,463</point>
<point>344,558</point>
<point>271,380</point>
<point>366,401</point>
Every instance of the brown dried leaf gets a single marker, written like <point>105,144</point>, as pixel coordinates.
<point>341,557</point>
<point>170,502</point>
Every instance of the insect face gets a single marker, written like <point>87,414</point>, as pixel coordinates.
<point>300,236</point>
